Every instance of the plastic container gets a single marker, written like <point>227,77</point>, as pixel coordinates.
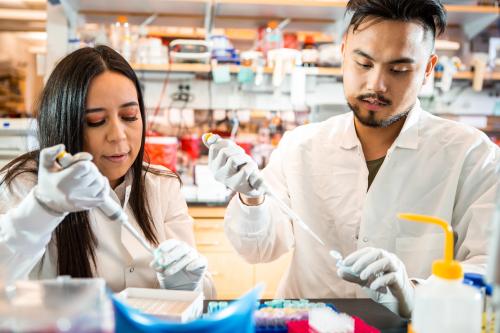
<point>444,304</point>
<point>56,306</point>
<point>273,37</point>
<point>310,53</point>
<point>161,150</point>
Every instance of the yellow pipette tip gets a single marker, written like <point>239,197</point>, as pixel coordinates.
<point>205,137</point>
<point>61,155</point>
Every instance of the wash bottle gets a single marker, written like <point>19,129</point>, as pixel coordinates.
<point>444,304</point>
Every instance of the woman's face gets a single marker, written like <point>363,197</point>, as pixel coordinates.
<point>113,128</point>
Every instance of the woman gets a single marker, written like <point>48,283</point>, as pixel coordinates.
<point>92,103</point>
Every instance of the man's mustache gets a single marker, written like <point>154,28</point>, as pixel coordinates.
<point>379,97</point>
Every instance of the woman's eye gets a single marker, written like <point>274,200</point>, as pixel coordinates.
<point>132,118</point>
<point>95,122</point>
<point>130,115</point>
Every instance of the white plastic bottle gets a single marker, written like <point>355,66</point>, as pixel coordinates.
<point>444,304</point>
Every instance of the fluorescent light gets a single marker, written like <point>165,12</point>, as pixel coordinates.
<point>13,3</point>
<point>34,35</point>
<point>446,45</point>
<point>23,14</point>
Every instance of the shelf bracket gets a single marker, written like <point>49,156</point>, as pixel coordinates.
<point>473,27</point>
<point>210,10</point>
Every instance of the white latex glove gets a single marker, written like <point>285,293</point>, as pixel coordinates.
<point>231,166</point>
<point>178,265</point>
<point>377,269</point>
<point>77,187</point>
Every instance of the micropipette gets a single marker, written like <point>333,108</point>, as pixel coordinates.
<point>110,208</point>
<point>257,182</point>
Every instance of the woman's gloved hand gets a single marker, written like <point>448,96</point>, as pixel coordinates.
<point>178,265</point>
<point>80,186</point>
<point>377,269</point>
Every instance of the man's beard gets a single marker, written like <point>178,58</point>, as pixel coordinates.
<point>370,120</point>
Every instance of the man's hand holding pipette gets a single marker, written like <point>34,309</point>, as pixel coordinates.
<point>232,167</point>
<point>376,268</point>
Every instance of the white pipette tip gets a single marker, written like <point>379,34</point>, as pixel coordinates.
<point>316,237</point>
<point>336,255</point>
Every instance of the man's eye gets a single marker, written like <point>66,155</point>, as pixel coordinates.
<point>363,65</point>
<point>399,70</point>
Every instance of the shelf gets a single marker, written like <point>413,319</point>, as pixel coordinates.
<point>234,34</point>
<point>204,68</point>
<point>470,75</point>
<point>320,71</point>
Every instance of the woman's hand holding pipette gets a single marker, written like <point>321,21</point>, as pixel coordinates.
<point>179,266</point>
<point>79,186</point>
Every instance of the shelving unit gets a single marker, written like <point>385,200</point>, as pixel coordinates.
<point>252,13</point>
<point>239,20</point>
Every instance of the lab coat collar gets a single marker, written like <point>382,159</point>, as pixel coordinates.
<point>407,138</point>
<point>123,190</point>
<point>350,138</point>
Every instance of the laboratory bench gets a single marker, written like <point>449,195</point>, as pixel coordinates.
<point>223,261</point>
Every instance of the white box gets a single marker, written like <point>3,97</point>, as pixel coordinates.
<point>172,305</point>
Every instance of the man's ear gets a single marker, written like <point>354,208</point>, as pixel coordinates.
<point>431,63</point>
<point>343,45</point>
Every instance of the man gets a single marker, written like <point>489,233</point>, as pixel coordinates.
<point>350,175</point>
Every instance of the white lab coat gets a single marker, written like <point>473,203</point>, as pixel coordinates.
<point>26,234</point>
<point>436,167</point>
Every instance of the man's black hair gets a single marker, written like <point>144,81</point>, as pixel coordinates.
<point>430,13</point>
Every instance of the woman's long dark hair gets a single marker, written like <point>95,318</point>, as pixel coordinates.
<point>61,119</point>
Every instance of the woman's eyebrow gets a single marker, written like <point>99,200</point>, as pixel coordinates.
<point>129,104</point>
<point>94,110</point>
<point>125,105</point>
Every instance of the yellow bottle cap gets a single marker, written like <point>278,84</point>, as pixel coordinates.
<point>446,268</point>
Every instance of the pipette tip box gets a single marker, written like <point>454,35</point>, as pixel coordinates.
<point>172,305</point>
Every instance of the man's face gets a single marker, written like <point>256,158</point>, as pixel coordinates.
<point>385,63</point>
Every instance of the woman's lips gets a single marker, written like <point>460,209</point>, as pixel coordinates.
<point>118,158</point>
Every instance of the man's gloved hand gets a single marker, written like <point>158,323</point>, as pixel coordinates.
<point>80,186</point>
<point>231,166</point>
<point>377,269</point>
<point>178,265</point>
